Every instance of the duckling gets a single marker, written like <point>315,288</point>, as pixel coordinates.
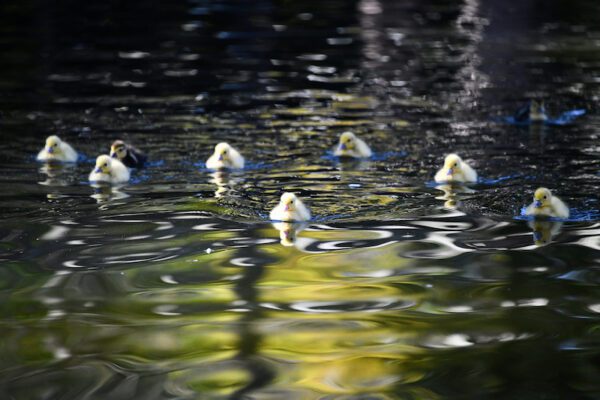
<point>290,209</point>
<point>455,170</point>
<point>351,146</point>
<point>127,154</point>
<point>546,205</point>
<point>109,170</point>
<point>532,112</point>
<point>225,156</point>
<point>57,150</point>
<point>537,111</point>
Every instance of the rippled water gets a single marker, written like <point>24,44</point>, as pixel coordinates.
<point>175,286</point>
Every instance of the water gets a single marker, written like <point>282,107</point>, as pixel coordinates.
<point>175,286</point>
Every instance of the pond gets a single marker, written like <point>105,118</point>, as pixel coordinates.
<point>177,286</point>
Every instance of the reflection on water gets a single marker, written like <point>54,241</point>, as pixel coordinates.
<point>176,285</point>
<point>544,231</point>
<point>288,232</point>
<point>452,194</point>
<point>56,174</point>
<point>104,193</point>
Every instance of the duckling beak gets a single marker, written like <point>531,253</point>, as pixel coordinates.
<point>113,154</point>
<point>343,146</point>
<point>537,204</point>
<point>98,170</point>
<point>50,150</point>
<point>537,236</point>
<point>220,157</point>
<point>450,171</point>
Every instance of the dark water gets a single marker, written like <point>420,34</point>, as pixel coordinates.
<point>176,287</point>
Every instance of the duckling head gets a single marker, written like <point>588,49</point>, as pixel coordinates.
<point>103,165</point>
<point>541,198</point>
<point>347,141</point>
<point>452,164</point>
<point>53,145</point>
<point>118,150</point>
<point>289,200</point>
<point>223,152</point>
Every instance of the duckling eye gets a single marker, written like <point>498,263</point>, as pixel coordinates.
<point>545,197</point>
<point>55,144</point>
<point>105,165</point>
<point>456,164</point>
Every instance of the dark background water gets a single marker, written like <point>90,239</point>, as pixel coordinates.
<point>175,286</point>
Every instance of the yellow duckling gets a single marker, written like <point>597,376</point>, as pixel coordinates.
<point>109,170</point>
<point>225,156</point>
<point>455,170</point>
<point>57,150</point>
<point>290,209</point>
<point>351,146</point>
<point>546,205</point>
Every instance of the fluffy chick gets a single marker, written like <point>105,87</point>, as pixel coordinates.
<point>225,156</point>
<point>57,150</point>
<point>351,146</point>
<point>455,170</point>
<point>290,209</point>
<point>547,205</point>
<point>127,154</point>
<point>109,170</point>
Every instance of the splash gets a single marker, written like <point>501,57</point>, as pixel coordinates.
<point>563,119</point>
<point>378,156</point>
<point>575,215</point>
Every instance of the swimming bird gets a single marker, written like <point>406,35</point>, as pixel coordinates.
<point>290,209</point>
<point>127,154</point>
<point>57,150</point>
<point>109,170</point>
<point>225,156</point>
<point>455,170</point>
<point>547,205</point>
<point>351,146</point>
<point>534,111</point>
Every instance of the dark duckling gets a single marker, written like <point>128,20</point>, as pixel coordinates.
<point>534,111</point>
<point>127,154</point>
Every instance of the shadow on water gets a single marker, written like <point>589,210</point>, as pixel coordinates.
<point>176,285</point>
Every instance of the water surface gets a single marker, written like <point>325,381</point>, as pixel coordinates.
<point>175,286</point>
